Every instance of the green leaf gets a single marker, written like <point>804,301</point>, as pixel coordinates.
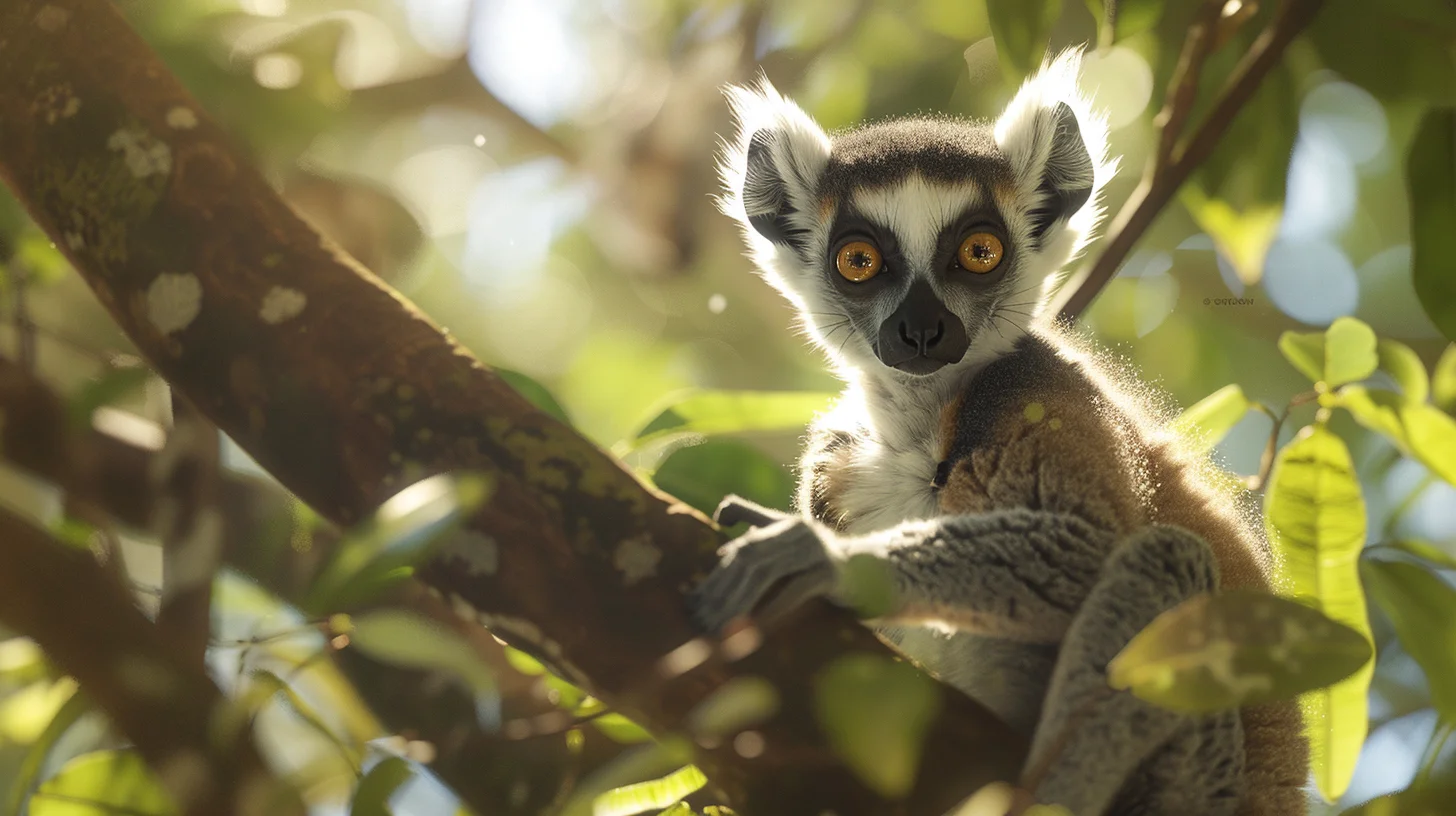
<point>1443,381</point>
<point>1419,430</point>
<point>617,728</point>
<point>1431,180</point>
<point>658,793</point>
<point>21,661</point>
<point>1315,515</point>
<point>1243,235</point>
<point>875,712</point>
<point>1405,367</point>
<point>736,705</point>
<point>381,551</point>
<point>538,394</point>
<point>412,640</point>
<point>34,762</point>
<point>269,685</point>
<point>721,412</point>
<point>1236,648</point>
<point>1021,29</point>
<point>371,798</point>
<point>112,385</point>
<point>702,475</point>
<point>1209,420</point>
<point>1306,352</point>
<point>1423,799</point>
<point>1393,56</point>
<point>1426,551</point>
<point>106,782</point>
<point>1422,608</point>
<point>1350,353</point>
<point>1346,352</point>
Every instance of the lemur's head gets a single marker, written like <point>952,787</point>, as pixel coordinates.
<point>905,244</point>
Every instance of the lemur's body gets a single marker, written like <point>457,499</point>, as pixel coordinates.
<point>1031,517</point>
<point>1040,428</point>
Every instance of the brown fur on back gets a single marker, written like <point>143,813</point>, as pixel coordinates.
<point>1043,428</point>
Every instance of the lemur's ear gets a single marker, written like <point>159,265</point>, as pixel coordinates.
<point>771,168</point>
<point>1056,144</point>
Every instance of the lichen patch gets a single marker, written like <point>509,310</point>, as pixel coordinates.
<point>479,553</point>
<point>174,301</point>
<point>51,19</point>
<point>636,558</point>
<point>282,303</point>
<point>145,154</point>
<point>181,118</point>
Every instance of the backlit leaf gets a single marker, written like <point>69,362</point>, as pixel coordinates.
<point>1405,367</point>
<point>27,775</point>
<point>643,796</point>
<point>1443,381</point>
<point>702,475</point>
<point>382,550</point>
<point>722,412</point>
<point>1419,430</point>
<point>1431,181</point>
<point>1021,29</point>
<point>1221,651</point>
<point>371,797</point>
<point>1422,608</point>
<point>412,640</point>
<point>876,712</point>
<point>1315,515</point>
<point>538,394</point>
<point>115,781</point>
<point>1426,551</point>
<point>1208,420</point>
<point>1306,352</point>
<point>1350,353</point>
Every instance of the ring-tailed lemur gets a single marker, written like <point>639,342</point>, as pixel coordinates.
<point>1032,517</point>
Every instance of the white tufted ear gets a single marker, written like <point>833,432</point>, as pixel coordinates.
<point>1057,146</point>
<point>771,168</point>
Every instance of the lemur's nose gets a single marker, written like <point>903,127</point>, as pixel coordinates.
<point>922,335</point>
<point>921,339</point>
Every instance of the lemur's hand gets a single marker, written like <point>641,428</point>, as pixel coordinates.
<point>735,509</point>
<point>788,553</point>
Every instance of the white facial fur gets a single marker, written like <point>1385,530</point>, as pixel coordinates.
<point>915,208</point>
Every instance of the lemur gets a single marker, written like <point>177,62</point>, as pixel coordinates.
<point>1030,512</point>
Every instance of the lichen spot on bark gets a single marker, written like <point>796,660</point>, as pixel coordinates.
<point>145,154</point>
<point>181,117</point>
<point>174,301</point>
<point>280,304</point>
<point>479,553</point>
<point>636,558</point>
<point>51,19</point>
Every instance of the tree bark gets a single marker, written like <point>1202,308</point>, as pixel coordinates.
<point>346,393</point>
<point>147,682</point>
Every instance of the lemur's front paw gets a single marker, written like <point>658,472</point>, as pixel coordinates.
<point>735,509</point>
<point>789,554</point>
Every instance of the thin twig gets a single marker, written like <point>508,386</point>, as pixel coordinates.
<point>1157,188</point>
<point>1183,86</point>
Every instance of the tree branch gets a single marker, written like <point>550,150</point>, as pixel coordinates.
<point>1163,178</point>
<point>346,394</point>
<point>150,687</point>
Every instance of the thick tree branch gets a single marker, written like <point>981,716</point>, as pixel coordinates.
<point>346,394</point>
<point>152,689</point>
<point>112,477</point>
<point>1173,166</point>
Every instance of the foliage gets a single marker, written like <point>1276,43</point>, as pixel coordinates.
<point>632,358</point>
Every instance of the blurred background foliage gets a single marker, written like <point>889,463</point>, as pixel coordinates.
<point>537,176</point>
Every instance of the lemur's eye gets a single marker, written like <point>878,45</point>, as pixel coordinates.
<point>859,261</point>
<point>980,253</point>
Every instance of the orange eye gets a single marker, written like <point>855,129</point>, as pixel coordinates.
<point>980,253</point>
<point>858,261</point>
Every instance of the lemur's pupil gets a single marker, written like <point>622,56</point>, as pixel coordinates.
<point>860,260</point>
<point>981,251</point>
